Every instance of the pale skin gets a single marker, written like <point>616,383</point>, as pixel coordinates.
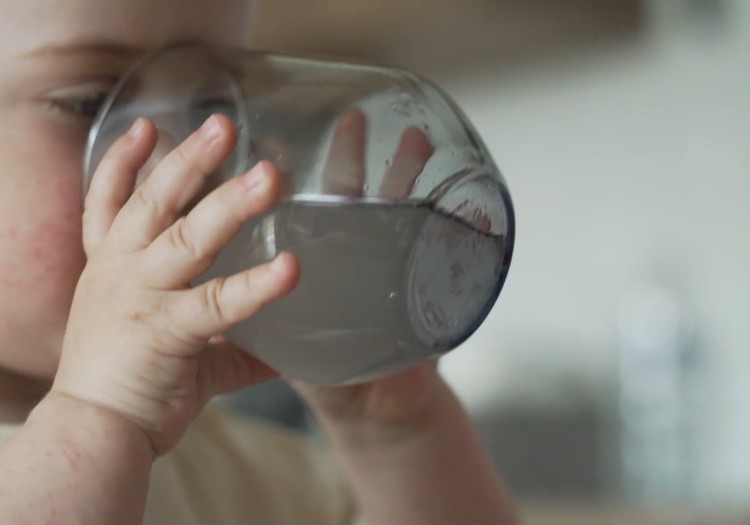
<point>114,357</point>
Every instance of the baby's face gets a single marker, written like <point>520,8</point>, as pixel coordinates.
<point>57,59</point>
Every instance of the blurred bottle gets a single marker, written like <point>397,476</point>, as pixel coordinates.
<point>658,371</point>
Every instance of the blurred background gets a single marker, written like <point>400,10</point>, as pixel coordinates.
<point>612,380</point>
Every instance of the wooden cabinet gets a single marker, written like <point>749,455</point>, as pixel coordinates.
<point>442,33</point>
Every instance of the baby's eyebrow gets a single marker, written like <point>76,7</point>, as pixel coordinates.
<point>94,47</point>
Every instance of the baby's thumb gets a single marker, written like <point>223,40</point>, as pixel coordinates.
<point>225,368</point>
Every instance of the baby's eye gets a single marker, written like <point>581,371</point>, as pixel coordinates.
<point>87,106</point>
<point>82,101</point>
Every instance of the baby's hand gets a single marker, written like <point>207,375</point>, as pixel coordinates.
<point>389,402</point>
<point>141,341</point>
<point>405,443</point>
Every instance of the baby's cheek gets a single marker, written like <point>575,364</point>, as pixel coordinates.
<point>40,241</point>
<point>41,260</point>
<point>56,254</point>
<point>39,268</point>
<point>42,255</point>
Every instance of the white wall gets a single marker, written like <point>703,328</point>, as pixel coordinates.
<point>629,161</point>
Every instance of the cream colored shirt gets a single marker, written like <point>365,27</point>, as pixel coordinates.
<point>229,471</point>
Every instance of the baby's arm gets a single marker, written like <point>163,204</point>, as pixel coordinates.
<point>73,462</point>
<point>411,453</point>
<point>138,359</point>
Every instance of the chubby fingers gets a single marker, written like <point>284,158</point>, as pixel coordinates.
<point>115,178</point>
<point>189,246</point>
<point>224,367</point>
<point>412,155</point>
<point>175,181</point>
<point>345,168</point>
<point>215,306</point>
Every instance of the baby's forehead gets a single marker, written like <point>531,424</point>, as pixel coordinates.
<point>27,25</point>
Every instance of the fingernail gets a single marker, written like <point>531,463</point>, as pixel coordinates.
<point>255,177</point>
<point>136,130</point>
<point>210,129</point>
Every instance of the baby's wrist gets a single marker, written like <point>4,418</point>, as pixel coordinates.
<point>413,419</point>
<point>93,428</point>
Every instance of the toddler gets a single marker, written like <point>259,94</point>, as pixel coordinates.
<point>108,357</point>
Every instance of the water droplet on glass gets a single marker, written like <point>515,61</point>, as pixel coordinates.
<point>402,105</point>
<point>387,163</point>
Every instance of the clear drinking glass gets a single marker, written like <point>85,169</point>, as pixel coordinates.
<point>401,221</point>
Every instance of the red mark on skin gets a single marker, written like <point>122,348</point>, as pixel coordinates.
<point>40,251</point>
<point>40,262</point>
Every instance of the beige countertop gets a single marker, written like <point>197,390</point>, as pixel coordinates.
<point>583,513</point>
